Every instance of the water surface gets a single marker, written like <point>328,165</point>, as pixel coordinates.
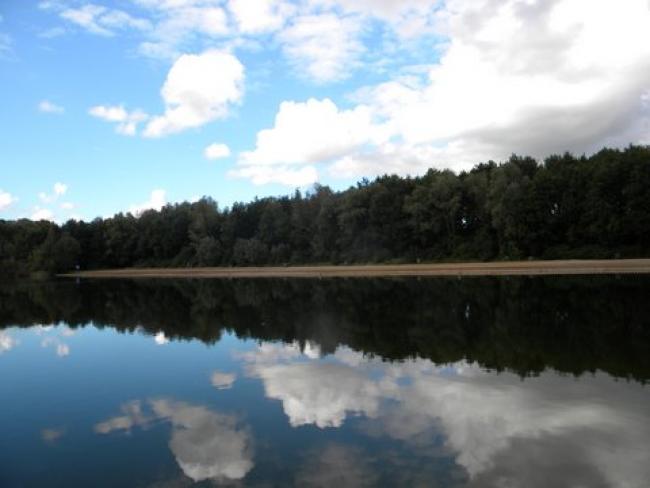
<point>361,382</point>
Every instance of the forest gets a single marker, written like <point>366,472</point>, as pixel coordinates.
<point>565,206</point>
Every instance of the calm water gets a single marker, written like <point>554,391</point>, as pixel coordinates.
<point>433,382</point>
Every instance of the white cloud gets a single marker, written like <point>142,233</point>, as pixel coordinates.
<point>305,134</point>
<point>216,151</point>
<point>50,5</point>
<point>42,214</point>
<point>568,83</point>
<point>402,159</point>
<point>157,200</point>
<point>310,132</point>
<point>176,4</point>
<point>127,122</point>
<point>179,25</point>
<point>103,21</point>
<point>109,113</point>
<point>385,9</point>
<point>199,88</point>
<point>6,200</point>
<point>60,189</point>
<point>407,18</point>
<point>86,18</point>
<point>576,79</point>
<point>67,206</point>
<point>281,174</point>
<point>206,444</point>
<point>258,16</point>
<point>324,47</point>
<point>169,27</point>
<point>49,107</point>
<point>118,19</point>
<point>221,380</point>
<point>206,20</point>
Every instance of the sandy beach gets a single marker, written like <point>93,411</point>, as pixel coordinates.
<point>507,268</point>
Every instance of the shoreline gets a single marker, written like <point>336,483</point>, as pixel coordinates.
<point>499,268</point>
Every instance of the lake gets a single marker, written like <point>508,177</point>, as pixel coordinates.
<point>536,382</point>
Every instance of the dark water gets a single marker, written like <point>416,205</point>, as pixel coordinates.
<point>531,382</point>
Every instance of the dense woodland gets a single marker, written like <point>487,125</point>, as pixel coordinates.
<point>519,324</point>
<point>563,207</point>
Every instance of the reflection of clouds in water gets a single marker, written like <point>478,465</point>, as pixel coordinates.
<point>484,417</point>
<point>42,329</point>
<point>545,455</point>
<point>52,337</point>
<point>321,394</point>
<point>61,348</point>
<point>7,342</point>
<point>67,331</point>
<point>273,353</point>
<point>206,444</point>
<point>311,350</point>
<point>222,381</point>
<point>337,465</point>
<point>61,328</point>
<point>161,339</point>
<point>270,353</point>
<point>133,416</point>
<point>52,434</point>
<point>314,392</point>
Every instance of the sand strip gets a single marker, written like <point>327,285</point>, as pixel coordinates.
<point>506,268</point>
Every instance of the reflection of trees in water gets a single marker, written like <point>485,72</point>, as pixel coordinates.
<point>572,324</point>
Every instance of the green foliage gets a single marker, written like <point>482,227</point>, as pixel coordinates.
<point>566,207</point>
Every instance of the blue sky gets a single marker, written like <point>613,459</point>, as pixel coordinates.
<point>129,104</point>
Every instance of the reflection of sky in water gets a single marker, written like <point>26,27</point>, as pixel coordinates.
<point>246,412</point>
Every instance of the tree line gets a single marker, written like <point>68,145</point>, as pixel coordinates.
<point>562,207</point>
<point>519,324</point>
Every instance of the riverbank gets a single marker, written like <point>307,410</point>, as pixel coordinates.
<point>505,268</point>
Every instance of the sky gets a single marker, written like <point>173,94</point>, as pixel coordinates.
<point>124,105</point>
